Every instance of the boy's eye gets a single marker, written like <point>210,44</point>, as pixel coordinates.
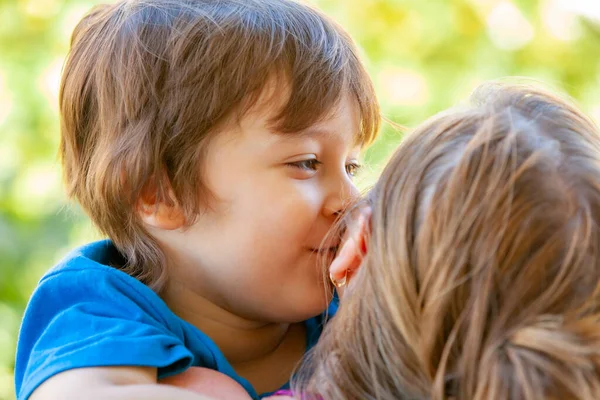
<point>352,169</point>
<point>307,165</point>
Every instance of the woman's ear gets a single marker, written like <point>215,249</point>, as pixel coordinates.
<point>159,214</point>
<point>350,255</point>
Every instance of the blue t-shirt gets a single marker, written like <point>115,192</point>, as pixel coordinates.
<point>85,313</point>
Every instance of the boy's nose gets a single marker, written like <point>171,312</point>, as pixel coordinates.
<point>340,197</point>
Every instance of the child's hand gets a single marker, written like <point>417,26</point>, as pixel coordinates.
<point>209,383</point>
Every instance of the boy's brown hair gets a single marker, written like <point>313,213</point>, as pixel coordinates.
<point>482,274</point>
<point>148,82</point>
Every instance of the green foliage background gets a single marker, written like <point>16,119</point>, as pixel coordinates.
<point>424,56</point>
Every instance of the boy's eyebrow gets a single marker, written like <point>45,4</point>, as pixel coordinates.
<point>315,132</point>
<point>308,133</point>
<point>312,132</point>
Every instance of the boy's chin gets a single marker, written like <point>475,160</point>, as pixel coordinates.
<point>295,307</point>
<point>302,312</point>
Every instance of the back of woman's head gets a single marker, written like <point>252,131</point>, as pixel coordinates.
<point>482,271</point>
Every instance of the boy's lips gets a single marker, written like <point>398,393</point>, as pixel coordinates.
<point>323,250</point>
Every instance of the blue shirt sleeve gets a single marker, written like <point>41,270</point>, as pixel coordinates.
<point>94,317</point>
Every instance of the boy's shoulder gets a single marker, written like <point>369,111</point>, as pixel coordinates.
<point>100,257</point>
<point>91,275</point>
<point>85,312</point>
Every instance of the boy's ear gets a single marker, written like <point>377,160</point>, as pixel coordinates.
<point>350,255</point>
<point>159,214</point>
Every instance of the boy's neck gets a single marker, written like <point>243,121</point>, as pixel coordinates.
<point>242,341</point>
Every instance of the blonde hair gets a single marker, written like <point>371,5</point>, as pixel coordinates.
<point>483,267</point>
<point>148,83</point>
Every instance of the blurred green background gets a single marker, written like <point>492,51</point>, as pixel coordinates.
<point>424,55</point>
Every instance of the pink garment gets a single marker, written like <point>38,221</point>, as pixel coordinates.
<point>283,392</point>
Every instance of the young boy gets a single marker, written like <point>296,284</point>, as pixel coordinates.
<point>214,143</point>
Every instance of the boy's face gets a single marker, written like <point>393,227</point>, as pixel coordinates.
<point>256,252</point>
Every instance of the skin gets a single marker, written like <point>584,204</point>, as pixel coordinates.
<point>277,196</point>
<point>346,263</point>
<point>209,383</point>
<point>246,271</point>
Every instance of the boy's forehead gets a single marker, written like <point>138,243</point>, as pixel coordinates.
<point>271,99</point>
<point>267,108</point>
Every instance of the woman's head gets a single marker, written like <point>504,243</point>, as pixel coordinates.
<point>483,264</point>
